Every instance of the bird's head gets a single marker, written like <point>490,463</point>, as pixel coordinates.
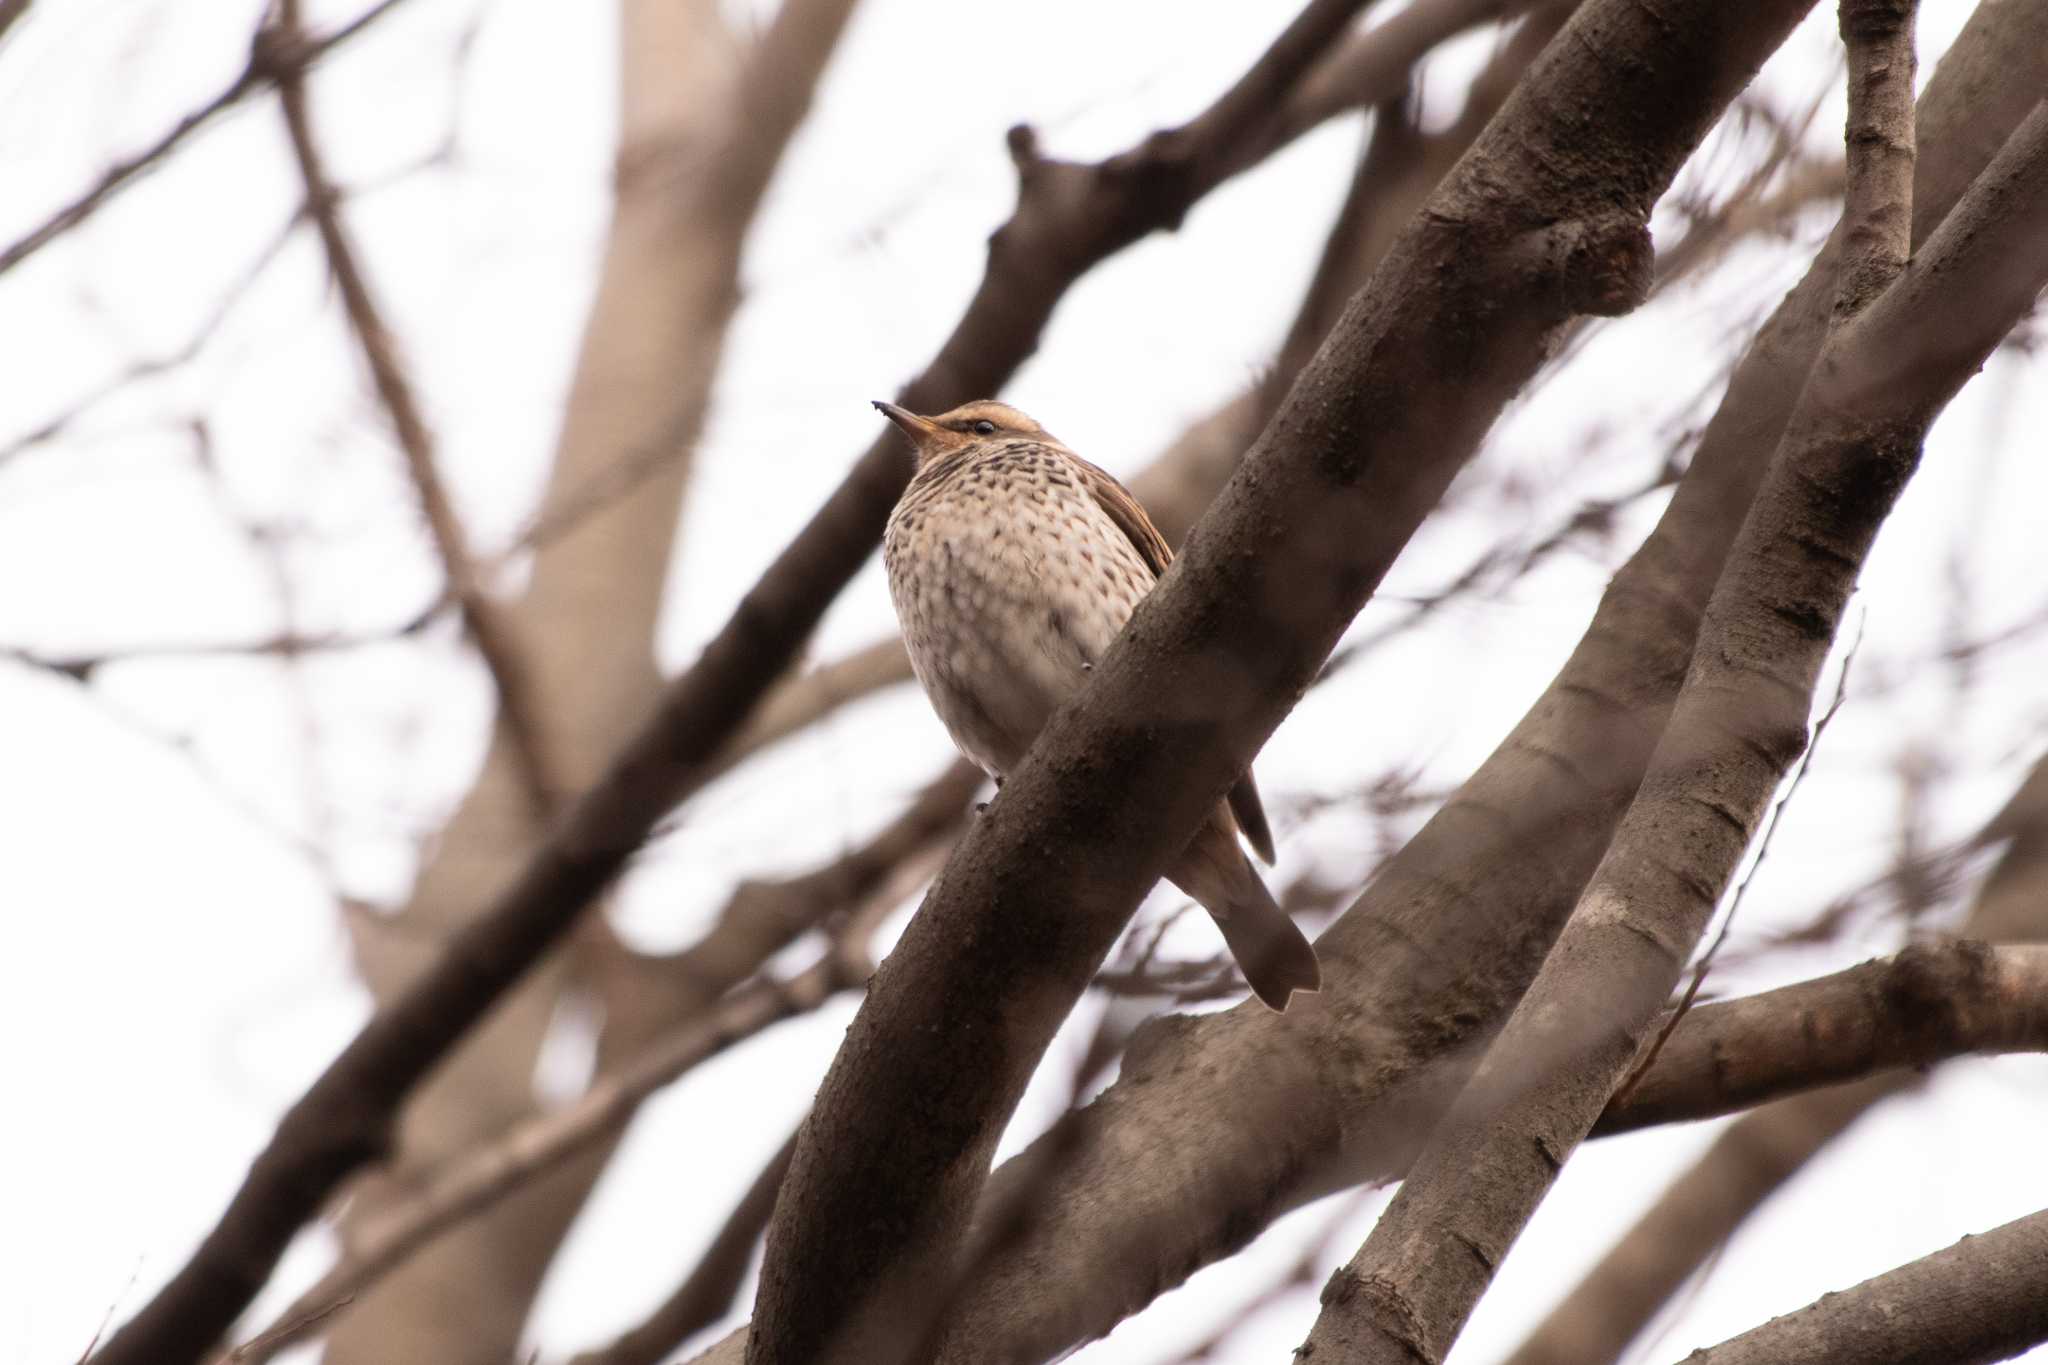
<point>969,424</point>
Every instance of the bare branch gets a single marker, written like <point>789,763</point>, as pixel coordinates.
<point>265,65</point>
<point>1763,851</point>
<point>1929,1004</point>
<point>1978,1301</point>
<point>497,641</point>
<point>1877,217</point>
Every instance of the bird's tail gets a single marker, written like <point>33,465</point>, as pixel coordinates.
<point>1273,954</point>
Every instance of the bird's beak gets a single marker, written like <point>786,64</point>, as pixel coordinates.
<point>918,429</point>
<point>927,436</point>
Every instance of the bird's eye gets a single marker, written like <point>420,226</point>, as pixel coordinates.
<point>984,428</point>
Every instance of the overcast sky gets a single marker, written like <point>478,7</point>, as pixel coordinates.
<point>173,831</point>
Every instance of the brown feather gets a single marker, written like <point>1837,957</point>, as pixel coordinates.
<point>1129,515</point>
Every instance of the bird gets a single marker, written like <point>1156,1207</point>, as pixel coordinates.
<point>1013,563</point>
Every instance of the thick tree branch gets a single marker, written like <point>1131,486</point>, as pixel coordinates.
<point>1543,220</point>
<point>1877,215</point>
<point>1978,1301</point>
<point>1926,1005</point>
<point>1737,727</point>
<point>265,65</point>
<point>1245,1114</point>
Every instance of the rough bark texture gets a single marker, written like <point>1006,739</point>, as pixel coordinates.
<point>1543,220</point>
<point>1978,1301</point>
<point>1219,1124</point>
<point>1755,1156</point>
<point>1737,727</point>
<point>1926,1005</point>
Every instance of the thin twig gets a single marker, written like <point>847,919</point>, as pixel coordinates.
<point>490,626</point>
<point>259,1347</point>
<point>263,67</point>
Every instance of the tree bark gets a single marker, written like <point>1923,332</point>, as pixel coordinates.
<point>1926,1005</point>
<point>1978,1301</point>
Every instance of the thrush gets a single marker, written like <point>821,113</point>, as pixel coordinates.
<point>1013,563</point>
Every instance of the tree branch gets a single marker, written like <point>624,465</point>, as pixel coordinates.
<point>1978,1301</point>
<point>262,68</point>
<point>1928,1004</point>
<point>1738,725</point>
<point>490,627</point>
<point>1877,216</point>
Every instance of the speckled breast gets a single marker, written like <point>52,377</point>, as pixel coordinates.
<point>1010,580</point>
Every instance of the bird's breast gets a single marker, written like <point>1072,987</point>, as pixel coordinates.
<point>1009,581</point>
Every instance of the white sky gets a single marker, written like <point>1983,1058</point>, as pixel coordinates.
<point>179,973</point>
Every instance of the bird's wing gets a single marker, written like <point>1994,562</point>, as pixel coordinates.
<point>1130,518</point>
